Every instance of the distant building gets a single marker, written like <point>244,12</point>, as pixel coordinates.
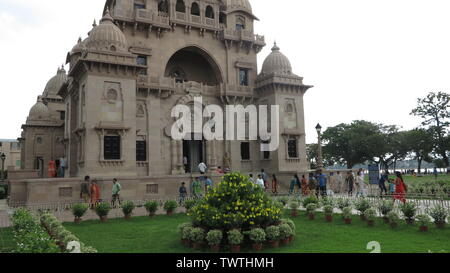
<point>11,149</point>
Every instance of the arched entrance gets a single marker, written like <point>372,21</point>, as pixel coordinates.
<point>193,64</point>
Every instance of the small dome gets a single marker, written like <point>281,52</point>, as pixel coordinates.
<point>39,111</point>
<point>239,5</point>
<point>78,48</point>
<point>276,63</point>
<point>55,83</point>
<point>107,36</point>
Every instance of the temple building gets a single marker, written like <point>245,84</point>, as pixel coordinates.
<point>110,114</point>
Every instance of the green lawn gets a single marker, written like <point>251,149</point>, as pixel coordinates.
<point>159,235</point>
<point>6,240</point>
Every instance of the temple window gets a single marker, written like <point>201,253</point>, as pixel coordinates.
<point>292,148</point>
<point>112,148</point>
<point>209,12</point>
<point>180,7</point>
<point>142,60</point>
<point>245,150</point>
<point>240,23</point>
<point>141,150</point>
<point>139,4</point>
<point>195,9</point>
<point>163,6</point>
<point>243,77</point>
<point>62,115</point>
<point>222,18</point>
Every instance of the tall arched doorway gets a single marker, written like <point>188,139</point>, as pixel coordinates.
<point>193,64</point>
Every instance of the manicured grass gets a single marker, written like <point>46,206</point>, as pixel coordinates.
<point>160,235</point>
<point>6,240</point>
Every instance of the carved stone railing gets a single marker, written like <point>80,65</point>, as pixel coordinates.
<point>243,35</point>
<point>121,14</point>
<point>151,17</point>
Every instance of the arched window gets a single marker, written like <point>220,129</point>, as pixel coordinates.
<point>180,7</point>
<point>163,6</point>
<point>209,12</point>
<point>240,23</point>
<point>195,9</point>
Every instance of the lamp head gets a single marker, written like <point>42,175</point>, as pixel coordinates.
<point>318,128</point>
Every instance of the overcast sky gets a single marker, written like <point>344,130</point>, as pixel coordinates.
<point>368,59</point>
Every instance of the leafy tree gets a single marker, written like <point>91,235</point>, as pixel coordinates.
<point>311,150</point>
<point>420,144</point>
<point>434,109</point>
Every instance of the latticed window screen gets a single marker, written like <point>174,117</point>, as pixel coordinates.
<point>141,150</point>
<point>152,189</point>
<point>292,148</point>
<point>243,77</point>
<point>112,148</point>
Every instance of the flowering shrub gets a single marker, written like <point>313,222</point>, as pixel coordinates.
<point>235,203</point>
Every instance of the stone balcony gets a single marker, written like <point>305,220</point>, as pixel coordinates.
<point>243,35</point>
<point>150,17</point>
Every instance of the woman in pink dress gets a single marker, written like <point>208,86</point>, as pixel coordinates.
<point>400,188</point>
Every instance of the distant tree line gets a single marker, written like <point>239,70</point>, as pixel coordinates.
<point>364,141</point>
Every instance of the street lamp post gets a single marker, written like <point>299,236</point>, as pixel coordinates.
<point>319,148</point>
<point>3,157</point>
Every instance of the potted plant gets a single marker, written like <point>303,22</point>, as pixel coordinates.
<point>127,209</point>
<point>343,203</point>
<point>285,233</point>
<point>197,237</point>
<point>257,236</point>
<point>294,205</point>
<point>424,221</point>
<point>310,199</point>
<point>170,206</point>
<point>185,230</point>
<point>310,209</point>
<point>273,236</point>
<point>347,214</point>
<point>439,214</point>
<point>370,214</point>
<point>291,224</point>
<point>328,210</point>
<point>102,211</point>
<point>362,205</point>
<point>409,211</point>
<point>394,219</point>
<point>384,208</point>
<point>151,207</point>
<point>214,237</point>
<point>78,210</point>
<point>235,239</point>
<point>189,204</point>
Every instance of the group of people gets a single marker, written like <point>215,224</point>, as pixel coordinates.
<point>91,193</point>
<point>57,168</point>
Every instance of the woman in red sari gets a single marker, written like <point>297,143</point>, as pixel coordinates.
<point>51,169</point>
<point>95,194</point>
<point>400,188</point>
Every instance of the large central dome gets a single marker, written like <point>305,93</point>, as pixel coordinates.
<point>107,36</point>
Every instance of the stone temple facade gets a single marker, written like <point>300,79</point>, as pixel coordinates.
<point>110,115</point>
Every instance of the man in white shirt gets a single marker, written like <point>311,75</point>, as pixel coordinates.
<point>260,182</point>
<point>202,167</point>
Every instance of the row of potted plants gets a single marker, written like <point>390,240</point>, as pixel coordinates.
<point>60,235</point>
<point>216,239</point>
<point>103,209</point>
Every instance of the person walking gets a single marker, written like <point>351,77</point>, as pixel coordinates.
<point>260,182</point>
<point>202,167</point>
<point>116,193</point>
<point>251,179</point>
<point>274,185</point>
<point>85,193</point>
<point>350,181</point>
<point>208,184</point>
<point>265,178</point>
<point>322,183</point>
<point>312,184</point>
<point>400,188</point>
<point>197,188</point>
<point>183,193</point>
<point>360,184</point>
<point>339,182</point>
<point>95,193</point>
<point>382,182</point>
<point>292,185</point>
<point>51,169</point>
<point>304,186</point>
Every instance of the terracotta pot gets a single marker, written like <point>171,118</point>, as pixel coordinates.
<point>329,218</point>
<point>311,216</point>
<point>440,224</point>
<point>197,245</point>
<point>363,217</point>
<point>285,241</point>
<point>370,223</point>
<point>348,221</point>
<point>236,248</point>
<point>410,221</point>
<point>274,244</point>
<point>77,220</point>
<point>386,220</point>
<point>423,228</point>
<point>393,225</point>
<point>169,212</point>
<point>257,246</point>
<point>127,217</point>
<point>104,219</point>
<point>215,248</point>
<point>294,213</point>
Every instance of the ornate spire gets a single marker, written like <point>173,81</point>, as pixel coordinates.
<point>107,16</point>
<point>95,23</point>
<point>275,47</point>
